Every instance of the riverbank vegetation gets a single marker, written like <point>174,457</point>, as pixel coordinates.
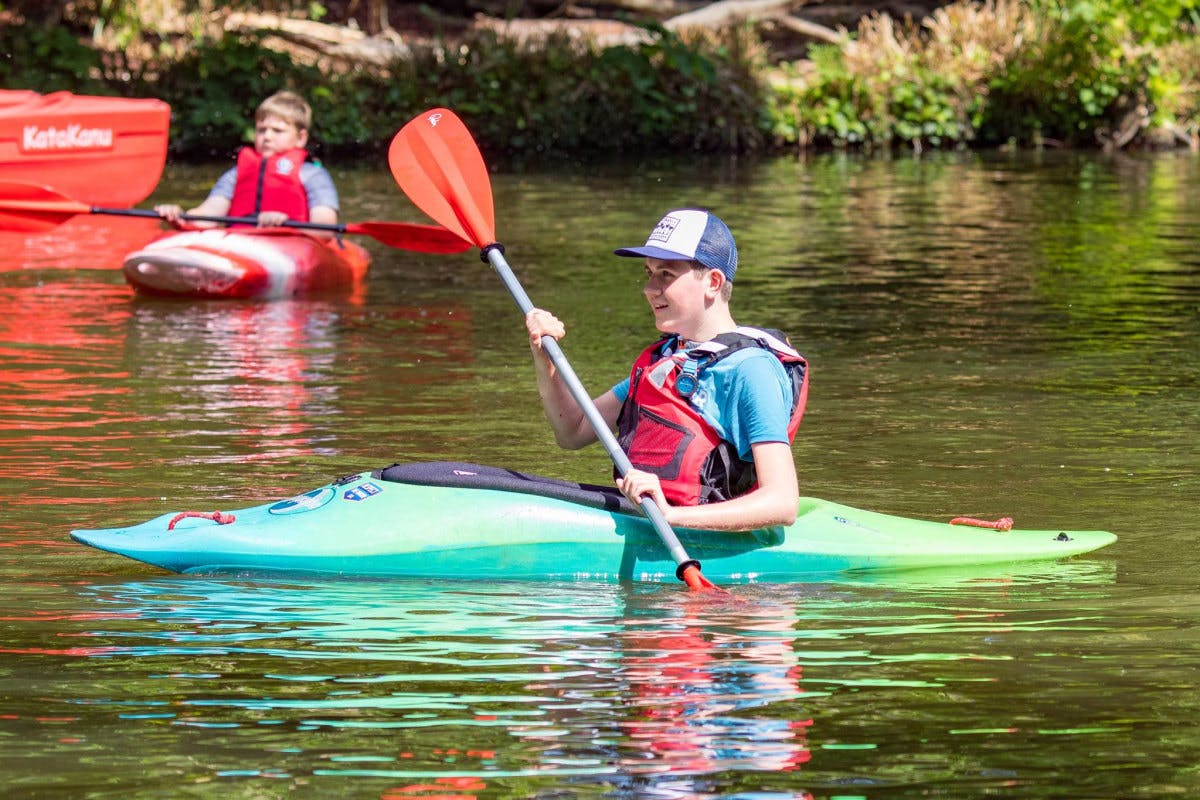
<point>623,76</point>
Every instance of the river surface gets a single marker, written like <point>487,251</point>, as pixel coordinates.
<point>989,335</point>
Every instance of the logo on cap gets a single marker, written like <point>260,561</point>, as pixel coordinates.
<point>664,230</point>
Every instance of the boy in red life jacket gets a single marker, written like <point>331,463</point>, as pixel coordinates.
<point>708,412</point>
<point>274,180</point>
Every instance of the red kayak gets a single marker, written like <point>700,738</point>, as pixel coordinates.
<point>96,150</point>
<point>245,263</point>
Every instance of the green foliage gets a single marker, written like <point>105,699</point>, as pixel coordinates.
<point>48,60</point>
<point>997,71</point>
<point>902,101</point>
<point>1087,65</point>
<point>822,106</point>
<point>974,71</point>
<point>557,96</point>
<point>561,96</point>
<point>1176,87</point>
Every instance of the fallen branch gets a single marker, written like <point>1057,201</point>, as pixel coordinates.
<point>810,29</point>
<point>726,12</point>
<point>601,32</point>
<point>330,41</point>
<point>731,12</point>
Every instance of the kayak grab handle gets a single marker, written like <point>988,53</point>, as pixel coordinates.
<point>215,516</point>
<point>1002,524</point>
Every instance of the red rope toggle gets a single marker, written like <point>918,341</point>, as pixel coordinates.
<point>215,516</point>
<point>1002,524</point>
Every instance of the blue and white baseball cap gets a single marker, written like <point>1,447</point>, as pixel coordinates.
<point>690,233</point>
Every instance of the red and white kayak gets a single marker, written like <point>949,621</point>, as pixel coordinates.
<point>245,263</point>
<point>98,150</point>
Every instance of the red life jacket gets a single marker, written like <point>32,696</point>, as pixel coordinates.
<point>663,434</point>
<point>270,184</point>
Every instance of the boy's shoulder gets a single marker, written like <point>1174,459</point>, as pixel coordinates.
<point>747,358</point>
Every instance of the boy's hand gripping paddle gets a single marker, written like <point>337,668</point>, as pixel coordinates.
<point>437,164</point>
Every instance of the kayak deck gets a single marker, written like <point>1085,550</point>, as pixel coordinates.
<point>456,520</point>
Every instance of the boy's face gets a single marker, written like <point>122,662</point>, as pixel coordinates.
<point>274,135</point>
<point>679,295</point>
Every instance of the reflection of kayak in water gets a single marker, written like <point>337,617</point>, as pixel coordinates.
<point>468,521</point>
<point>245,263</point>
<point>82,242</point>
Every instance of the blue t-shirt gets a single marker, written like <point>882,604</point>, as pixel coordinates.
<point>745,397</point>
<point>316,180</point>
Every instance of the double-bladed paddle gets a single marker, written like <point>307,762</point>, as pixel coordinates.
<point>437,164</point>
<point>30,208</point>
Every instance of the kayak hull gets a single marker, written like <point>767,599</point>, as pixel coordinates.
<point>103,151</point>
<point>245,263</point>
<point>366,525</point>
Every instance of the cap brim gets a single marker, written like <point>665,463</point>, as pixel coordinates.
<point>653,252</point>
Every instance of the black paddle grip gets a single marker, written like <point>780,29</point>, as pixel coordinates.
<point>483,253</point>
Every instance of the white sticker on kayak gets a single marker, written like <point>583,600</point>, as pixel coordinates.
<point>362,491</point>
<point>303,502</point>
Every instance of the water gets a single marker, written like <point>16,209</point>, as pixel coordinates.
<point>989,335</point>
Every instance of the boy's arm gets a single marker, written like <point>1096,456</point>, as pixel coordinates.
<point>322,195</point>
<point>773,502</point>
<point>571,427</point>
<point>323,214</point>
<point>213,206</point>
<point>217,204</point>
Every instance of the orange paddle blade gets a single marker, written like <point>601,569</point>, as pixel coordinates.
<point>437,164</point>
<point>411,236</point>
<point>30,208</point>
<point>696,581</point>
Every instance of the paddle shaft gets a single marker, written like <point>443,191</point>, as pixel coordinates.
<point>550,345</point>
<point>145,212</point>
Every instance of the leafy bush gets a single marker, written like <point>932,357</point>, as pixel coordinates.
<point>1080,69</point>
<point>560,94</point>
<point>998,71</point>
<point>1177,89</point>
<point>552,95</point>
<point>887,85</point>
<point>48,60</point>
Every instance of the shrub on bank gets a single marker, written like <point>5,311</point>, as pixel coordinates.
<point>1078,72</point>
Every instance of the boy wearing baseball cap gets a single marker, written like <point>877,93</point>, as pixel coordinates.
<point>708,412</point>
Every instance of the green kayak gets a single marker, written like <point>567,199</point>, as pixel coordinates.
<point>457,520</point>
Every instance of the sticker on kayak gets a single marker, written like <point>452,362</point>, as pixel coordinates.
<point>362,491</point>
<point>851,523</point>
<point>303,502</point>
